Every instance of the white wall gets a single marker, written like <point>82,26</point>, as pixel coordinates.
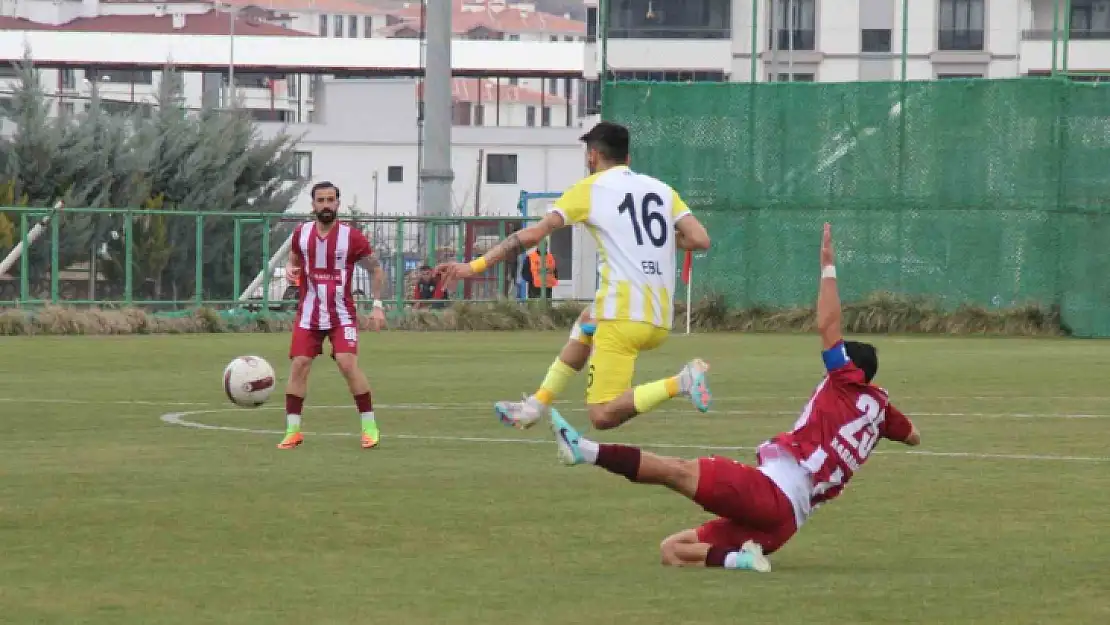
<point>369,126</point>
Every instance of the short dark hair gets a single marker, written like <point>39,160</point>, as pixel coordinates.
<point>425,267</point>
<point>324,185</point>
<point>610,139</point>
<point>864,356</point>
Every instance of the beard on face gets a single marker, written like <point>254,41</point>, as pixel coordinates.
<point>325,215</point>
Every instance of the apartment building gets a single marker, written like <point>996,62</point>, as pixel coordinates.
<point>846,40</point>
<point>291,98</point>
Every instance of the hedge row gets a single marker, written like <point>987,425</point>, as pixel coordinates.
<point>882,313</point>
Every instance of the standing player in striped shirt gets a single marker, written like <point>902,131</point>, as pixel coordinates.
<point>760,508</point>
<point>638,222</point>
<point>323,260</point>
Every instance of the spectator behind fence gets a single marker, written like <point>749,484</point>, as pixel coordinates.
<point>533,274</point>
<point>429,286</point>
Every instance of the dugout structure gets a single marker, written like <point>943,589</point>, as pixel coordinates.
<point>992,193</point>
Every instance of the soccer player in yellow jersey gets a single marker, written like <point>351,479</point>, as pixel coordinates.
<point>639,224</point>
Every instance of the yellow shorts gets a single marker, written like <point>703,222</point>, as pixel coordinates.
<point>617,344</point>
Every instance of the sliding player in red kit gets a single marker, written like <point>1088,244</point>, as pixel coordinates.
<point>761,507</point>
<point>322,261</point>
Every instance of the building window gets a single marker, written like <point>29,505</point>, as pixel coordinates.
<point>293,86</point>
<point>591,24</point>
<point>554,38</point>
<point>545,116</point>
<point>568,39</point>
<point>301,166</point>
<point>368,26</point>
<point>480,115</point>
<point>461,113</point>
<point>961,25</point>
<point>501,168</point>
<point>514,81</point>
<point>669,19</point>
<point>944,76</point>
<point>338,25</point>
<point>121,76</point>
<point>552,86</point>
<point>323,25</point>
<point>352,26</point>
<point>530,117</point>
<point>67,78</point>
<point>676,75</point>
<point>1090,19</point>
<point>785,77</point>
<point>796,21</point>
<point>395,173</point>
<point>875,40</point>
<point>7,70</point>
<point>66,109</point>
<point>590,98</point>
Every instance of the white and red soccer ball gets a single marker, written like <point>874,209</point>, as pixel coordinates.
<point>249,381</point>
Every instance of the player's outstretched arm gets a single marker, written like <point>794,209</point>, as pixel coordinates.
<point>828,298</point>
<point>513,245</point>
<point>377,284</point>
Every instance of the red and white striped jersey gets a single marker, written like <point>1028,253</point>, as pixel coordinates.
<point>328,267</point>
<point>838,429</point>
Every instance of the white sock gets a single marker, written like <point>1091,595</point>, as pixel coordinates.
<point>589,450</point>
<point>367,418</point>
<point>292,423</point>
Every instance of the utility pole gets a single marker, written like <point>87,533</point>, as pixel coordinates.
<point>436,175</point>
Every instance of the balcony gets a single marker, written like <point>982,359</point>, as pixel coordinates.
<point>796,39</point>
<point>1084,55</point>
<point>960,40</point>
<point>670,32</point>
<point>1076,34</point>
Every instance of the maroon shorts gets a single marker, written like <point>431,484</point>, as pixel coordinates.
<point>749,504</point>
<point>310,343</point>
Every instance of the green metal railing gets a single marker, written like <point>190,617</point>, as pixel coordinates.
<point>56,249</point>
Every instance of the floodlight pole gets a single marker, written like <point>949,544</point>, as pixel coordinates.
<point>436,175</point>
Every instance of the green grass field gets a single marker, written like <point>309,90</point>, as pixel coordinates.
<point>110,515</point>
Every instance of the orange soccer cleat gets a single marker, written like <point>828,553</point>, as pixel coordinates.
<point>291,441</point>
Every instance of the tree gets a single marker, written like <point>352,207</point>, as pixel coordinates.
<point>166,156</point>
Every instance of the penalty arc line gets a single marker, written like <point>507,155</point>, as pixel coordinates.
<point>181,419</point>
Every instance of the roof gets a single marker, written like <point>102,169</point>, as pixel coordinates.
<point>338,7</point>
<point>294,52</point>
<point>471,14</point>
<point>209,23</point>
<point>479,91</point>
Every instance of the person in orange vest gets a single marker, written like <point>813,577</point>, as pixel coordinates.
<point>534,276</point>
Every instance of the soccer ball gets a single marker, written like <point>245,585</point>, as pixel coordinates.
<point>248,381</point>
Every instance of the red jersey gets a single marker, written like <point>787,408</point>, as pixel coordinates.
<point>325,299</point>
<point>840,426</point>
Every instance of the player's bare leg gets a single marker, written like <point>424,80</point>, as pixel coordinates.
<point>295,390</point>
<point>644,467</point>
<point>686,549</point>
<point>690,382</point>
<point>360,390</point>
<point>572,359</point>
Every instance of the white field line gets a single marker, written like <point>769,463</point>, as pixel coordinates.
<point>564,407</point>
<point>181,418</point>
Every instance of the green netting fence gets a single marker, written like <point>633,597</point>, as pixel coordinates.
<point>984,192</point>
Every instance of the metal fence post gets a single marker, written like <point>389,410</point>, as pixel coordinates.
<point>266,271</point>
<point>24,263</point>
<point>55,260</point>
<point>399,267</point>
<point>236,251</point>
<point>128,257</point>
<point>199,297</point>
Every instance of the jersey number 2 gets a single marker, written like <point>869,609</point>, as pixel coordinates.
<point>649,218</point>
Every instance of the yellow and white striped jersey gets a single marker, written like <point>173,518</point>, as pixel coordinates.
<point>632,217</point>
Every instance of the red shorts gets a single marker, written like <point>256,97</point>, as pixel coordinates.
<point>749,504</point>
<point>310,343</point>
